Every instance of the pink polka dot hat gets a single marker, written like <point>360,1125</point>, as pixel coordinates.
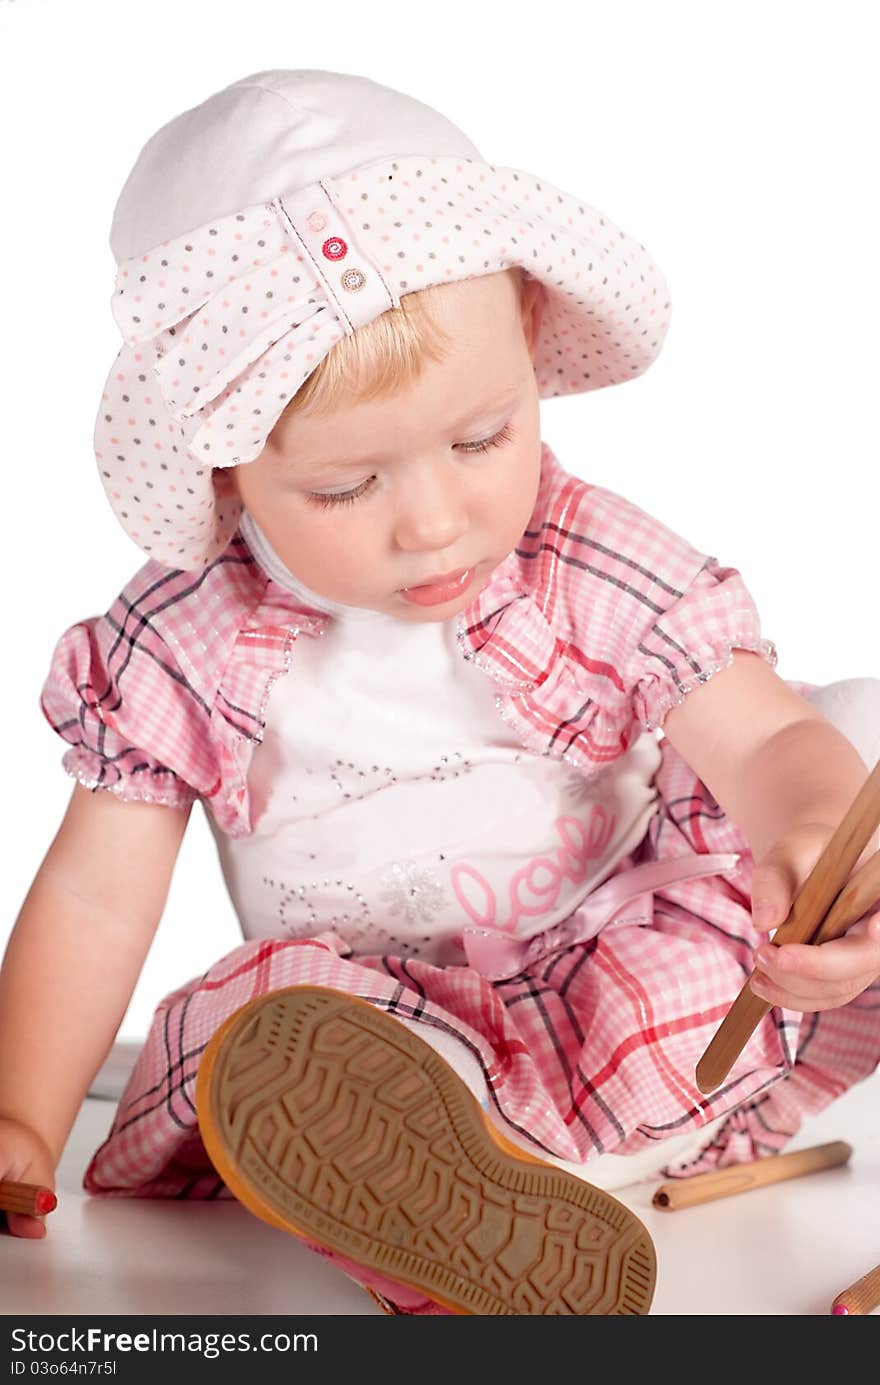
<point>282,213</point>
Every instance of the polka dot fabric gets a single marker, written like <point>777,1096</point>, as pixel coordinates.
<point>223,323</point>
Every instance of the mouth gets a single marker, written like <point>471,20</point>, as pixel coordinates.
<point>441,590</point>
<point>440,579</point>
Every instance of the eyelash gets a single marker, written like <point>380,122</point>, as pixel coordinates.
<point>499,439</point>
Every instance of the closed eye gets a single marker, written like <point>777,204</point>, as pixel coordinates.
<point>326,499</point>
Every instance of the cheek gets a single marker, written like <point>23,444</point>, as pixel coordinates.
<point>325,543</point>
<point>518,483</point>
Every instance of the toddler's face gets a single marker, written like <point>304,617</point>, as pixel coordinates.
<point>391,493</point>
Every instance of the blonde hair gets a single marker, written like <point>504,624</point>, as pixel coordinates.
<point>384,354</point>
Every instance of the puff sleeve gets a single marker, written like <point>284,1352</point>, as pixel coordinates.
<point>692,639</point>
<point>136,725</point>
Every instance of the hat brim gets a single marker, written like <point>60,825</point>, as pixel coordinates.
<point>224,324</point>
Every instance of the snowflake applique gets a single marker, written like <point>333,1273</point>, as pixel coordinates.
<point>582,788</point>
<point>414,891</point>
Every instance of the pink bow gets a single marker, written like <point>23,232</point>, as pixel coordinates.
<point>224,294</point>
<point>499,957</point>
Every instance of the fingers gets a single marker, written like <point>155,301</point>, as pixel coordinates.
<point>801,976</point>
<point>779,875</point>
<point>29,1228</point>
<point>824,998</point>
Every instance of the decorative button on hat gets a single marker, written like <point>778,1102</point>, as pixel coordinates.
<point>227,234</point>
<point>352,280</point>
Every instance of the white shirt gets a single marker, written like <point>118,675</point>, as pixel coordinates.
<point>392,805</point>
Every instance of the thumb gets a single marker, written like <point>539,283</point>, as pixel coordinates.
<point>781,872</point>
<point>771,894</point>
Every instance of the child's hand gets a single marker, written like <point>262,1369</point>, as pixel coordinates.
<point>24,1158</point>
<point>806,976</point>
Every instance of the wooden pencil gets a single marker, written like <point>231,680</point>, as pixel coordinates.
<point>861,1297</point>
<point>742,1178</point>
<point>812,904</point>
<point>31,1198</point>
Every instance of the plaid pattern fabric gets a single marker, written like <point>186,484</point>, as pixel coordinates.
<point>598,622</point>
<point>591,1049</point>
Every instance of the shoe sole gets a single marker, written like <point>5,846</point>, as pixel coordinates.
<point>332,1120</point>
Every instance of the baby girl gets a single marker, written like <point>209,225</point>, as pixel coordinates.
<point>505,789</point>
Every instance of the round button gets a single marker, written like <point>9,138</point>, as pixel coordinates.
<point>316,221</point>
<point>353,279</point>
<point>335,248</point>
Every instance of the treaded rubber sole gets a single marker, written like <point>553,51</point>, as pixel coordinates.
<point>329,1118</point>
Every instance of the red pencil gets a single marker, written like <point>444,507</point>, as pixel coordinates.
<point>861,1297</point>
<point>31,1198</point>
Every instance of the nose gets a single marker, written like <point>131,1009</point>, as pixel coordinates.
<point>431,512</point>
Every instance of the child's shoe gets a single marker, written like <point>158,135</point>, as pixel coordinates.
<point>329,1118</point>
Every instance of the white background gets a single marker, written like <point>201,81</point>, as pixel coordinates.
<point>735,141</point>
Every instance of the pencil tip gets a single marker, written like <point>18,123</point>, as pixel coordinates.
<point>839,1309</point>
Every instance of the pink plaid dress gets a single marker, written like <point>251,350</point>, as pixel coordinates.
<point>591,629</point>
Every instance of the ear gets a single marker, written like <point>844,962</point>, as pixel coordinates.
<point>225,482</point>
<point>533,303</point>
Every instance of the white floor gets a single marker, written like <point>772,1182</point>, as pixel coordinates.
<point>786,1249</point>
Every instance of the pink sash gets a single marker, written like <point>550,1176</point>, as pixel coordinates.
<point>498,956</point>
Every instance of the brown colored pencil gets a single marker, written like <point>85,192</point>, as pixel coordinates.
<point>31,1198</point>
<point>861,1297</point>
<point>859,895</point>
<point>804,924</point>
<point>742,1178</point>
